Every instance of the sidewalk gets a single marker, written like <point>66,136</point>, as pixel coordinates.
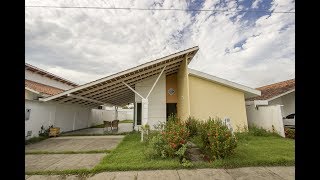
<point>248,173</point>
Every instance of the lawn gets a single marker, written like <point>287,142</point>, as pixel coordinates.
<point>102,125</point>
<point>251,151</point>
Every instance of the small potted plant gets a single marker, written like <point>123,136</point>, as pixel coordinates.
<point>54,131</point>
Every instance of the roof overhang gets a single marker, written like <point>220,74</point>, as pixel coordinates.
<point>248,92</point>
<point>112,91</point>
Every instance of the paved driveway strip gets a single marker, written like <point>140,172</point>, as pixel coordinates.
<point>75,143</point>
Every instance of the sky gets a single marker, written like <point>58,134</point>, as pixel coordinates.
<point>252,48</point>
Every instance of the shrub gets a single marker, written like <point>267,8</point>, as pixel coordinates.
<point>192,125</point>
<point>170,142</point>
<point>45,131</point>
<point>174,135</point>
<point>289,133</point>
<point>217,139</point>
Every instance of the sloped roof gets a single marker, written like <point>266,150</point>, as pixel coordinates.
<point>273,90</point>
<point>42,88</point>
<point>113,89</point>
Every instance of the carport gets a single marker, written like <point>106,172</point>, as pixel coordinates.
<point>119,89</point>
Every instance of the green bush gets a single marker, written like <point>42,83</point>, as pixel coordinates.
<point>289,133</point>
<point>192,125</point>
<point>170,142</point>
<point>258,131</point>
<point>218,141</point>
<point>175,135</point>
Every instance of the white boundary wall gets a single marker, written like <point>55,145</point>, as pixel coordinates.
<point>266,117</point>
<point>97,116</point>
<point>67,117</point>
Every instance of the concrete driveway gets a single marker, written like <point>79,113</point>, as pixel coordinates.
<point>75,143</point>
<point>78,144</point>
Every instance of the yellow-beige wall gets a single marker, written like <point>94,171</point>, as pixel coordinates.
<point>183,109</point>
<point>211,99</point>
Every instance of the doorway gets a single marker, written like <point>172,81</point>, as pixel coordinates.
<point>171,109</point>
<point>139,113</point>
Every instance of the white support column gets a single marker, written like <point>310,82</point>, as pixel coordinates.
<point>116,113</point>
<point>144,113</point>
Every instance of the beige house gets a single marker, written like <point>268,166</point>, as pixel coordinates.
<point>162,87</point>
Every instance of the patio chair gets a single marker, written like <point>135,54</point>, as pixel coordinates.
<point>107,124</point>
<point>115,124</point>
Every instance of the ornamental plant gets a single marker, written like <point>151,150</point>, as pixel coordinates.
<point>192,125</point>
<point>174,135</point>
<point>217,139</point>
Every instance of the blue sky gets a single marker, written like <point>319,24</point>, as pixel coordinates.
<point>250,48</point>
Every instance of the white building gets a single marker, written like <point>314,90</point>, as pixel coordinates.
<point>276,101</point>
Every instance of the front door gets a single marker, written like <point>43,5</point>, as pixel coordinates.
<point>171,109</point>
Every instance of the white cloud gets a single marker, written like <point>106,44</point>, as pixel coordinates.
<point>83,45</point>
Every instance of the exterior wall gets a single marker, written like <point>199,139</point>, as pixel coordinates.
<point>67,117</point>
<point>214,100</point>
<point>183,105</point>
<point>97,116</point>
<point>45,80</point>
<point>171,82</point>
<point>157,99</point>
<point>288,102</point>
<point>30,95</point>
<point>267,117</point>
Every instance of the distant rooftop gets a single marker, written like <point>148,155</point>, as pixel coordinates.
<point>47,74</point>
<point>273,90</point>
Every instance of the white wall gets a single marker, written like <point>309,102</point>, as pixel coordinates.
<point>97,116</point>
<point>157,99</point>
<point>45,80</point>
<point>266,117</point>
<point>67,117</point>
<point>288,102</point>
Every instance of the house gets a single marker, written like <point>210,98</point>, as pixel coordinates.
<point>38,84</point>
<point>157,89</point>
<point>276,101</point>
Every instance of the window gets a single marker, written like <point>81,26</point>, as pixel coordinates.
<point>27,114</point>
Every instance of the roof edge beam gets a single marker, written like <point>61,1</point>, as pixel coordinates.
<point>87,99</point>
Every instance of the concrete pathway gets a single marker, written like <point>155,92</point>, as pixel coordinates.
<point>44,162</point>
<point>248,173</point>
<point>75,143</point>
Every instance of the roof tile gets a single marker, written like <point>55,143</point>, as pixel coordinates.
<point>272,90</point>
<point>42,88</point>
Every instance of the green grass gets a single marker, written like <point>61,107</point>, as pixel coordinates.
<point>35,139</point>
<point>69,152</point>
<point>102,125</point>
<point>251,151</point>
<point>126,121</point>
<point>129,156</point>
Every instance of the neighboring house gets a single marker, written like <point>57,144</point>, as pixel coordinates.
<point>159,88</point>
<point>276,101</point>
<point>38,84</point>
